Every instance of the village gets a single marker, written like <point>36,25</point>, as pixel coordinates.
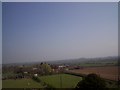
<point>22,71</point>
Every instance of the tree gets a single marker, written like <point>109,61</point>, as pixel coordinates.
<point>92,81</point>
<point>46,68</point>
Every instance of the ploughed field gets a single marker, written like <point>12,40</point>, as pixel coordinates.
<point>107,72</point>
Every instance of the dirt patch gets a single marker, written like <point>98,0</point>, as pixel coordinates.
<point>110,72</point>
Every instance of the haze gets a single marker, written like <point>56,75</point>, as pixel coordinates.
<point>56,31</point>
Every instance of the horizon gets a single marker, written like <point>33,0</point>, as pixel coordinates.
<point>58,31</point>
<point>59,60</point>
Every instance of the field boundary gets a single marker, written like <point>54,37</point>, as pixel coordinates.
<point>83,75</point>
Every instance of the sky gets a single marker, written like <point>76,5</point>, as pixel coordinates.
<point>60,0</point>
<point>57,31</point>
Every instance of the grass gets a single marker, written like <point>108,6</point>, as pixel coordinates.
<point>66,81</point>
<point>21,83</point>
<point>61,80</point>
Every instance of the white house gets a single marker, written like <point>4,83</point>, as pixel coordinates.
<point>35,75</point>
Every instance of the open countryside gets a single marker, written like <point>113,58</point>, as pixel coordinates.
<point>53,75</point>
<point>50,45</point>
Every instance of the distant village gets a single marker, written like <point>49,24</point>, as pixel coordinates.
<point>24,71</point>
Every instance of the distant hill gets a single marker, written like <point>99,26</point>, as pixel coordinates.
<point>109,59</point>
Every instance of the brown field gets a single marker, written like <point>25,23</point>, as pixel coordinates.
<point>108,72</point>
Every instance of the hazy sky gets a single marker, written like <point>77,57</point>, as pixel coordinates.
<point>55,31</point>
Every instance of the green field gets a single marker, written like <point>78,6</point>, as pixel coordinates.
<point>21,83</point>
<point>61,80</point>
<point>57,81</point>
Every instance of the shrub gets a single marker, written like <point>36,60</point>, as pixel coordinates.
<point>36,79</point>
<point>92,81</point>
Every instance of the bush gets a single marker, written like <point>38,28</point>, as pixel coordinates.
<point>36,79</point>
<point>92,81</point>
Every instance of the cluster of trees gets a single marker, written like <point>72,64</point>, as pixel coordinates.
<point>92,82</point>
<point>46,68</point>
<point>26,71</point>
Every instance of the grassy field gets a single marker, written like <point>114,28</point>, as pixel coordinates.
<point>95,64</point>
<point>61,80</point>
<point>57,81</point>
<point>21,83</point>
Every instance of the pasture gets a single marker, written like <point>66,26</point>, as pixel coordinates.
<point>56,81</point>
<point>21,83</point>
<point>61,80</point>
